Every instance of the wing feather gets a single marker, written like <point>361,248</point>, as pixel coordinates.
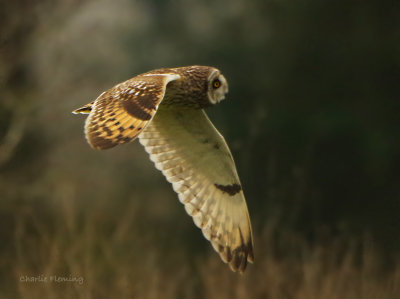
<point>194,157</point>
<point>119,114</point>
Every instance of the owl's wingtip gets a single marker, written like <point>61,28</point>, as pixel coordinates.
<point>242,255</point>
<point>240,259</point>
<point>237,258</point>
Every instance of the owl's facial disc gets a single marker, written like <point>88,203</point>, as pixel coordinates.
<point>217,87</point>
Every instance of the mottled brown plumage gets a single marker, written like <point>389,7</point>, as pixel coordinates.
<point>164,108</point>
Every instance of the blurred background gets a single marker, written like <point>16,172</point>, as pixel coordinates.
<point>312,119</point>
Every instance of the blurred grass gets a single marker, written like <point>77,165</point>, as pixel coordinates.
<point>122,255</point>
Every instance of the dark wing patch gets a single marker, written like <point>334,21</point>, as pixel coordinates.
<point>119,114</point>
<point>230,189</point>
<point>136,110</point>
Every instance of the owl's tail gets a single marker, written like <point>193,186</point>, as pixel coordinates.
<point>84,110</point>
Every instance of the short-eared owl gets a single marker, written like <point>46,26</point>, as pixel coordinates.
<point>164,108</point>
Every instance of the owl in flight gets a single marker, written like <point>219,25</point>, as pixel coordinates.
<point>164,109</point>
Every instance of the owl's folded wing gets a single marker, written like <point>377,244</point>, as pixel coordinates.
<point>119,114</point>
<point>194,157</point>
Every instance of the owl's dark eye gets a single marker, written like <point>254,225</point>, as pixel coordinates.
<point>216,83</point>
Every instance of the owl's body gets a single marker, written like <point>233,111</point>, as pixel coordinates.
<point>164,109</point>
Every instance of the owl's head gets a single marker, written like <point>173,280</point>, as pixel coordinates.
<point>217,87</point>
<point>197,87</point>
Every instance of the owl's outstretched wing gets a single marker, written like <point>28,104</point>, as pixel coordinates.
<point>194,157</point>
<point>119,114</point>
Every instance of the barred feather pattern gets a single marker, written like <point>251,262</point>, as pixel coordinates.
<point>119,114</point>
<point>194,157</point>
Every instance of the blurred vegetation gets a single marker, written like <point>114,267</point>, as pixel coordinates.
<point>312,119</point>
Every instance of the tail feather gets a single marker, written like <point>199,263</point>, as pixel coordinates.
<point>84,110</point>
